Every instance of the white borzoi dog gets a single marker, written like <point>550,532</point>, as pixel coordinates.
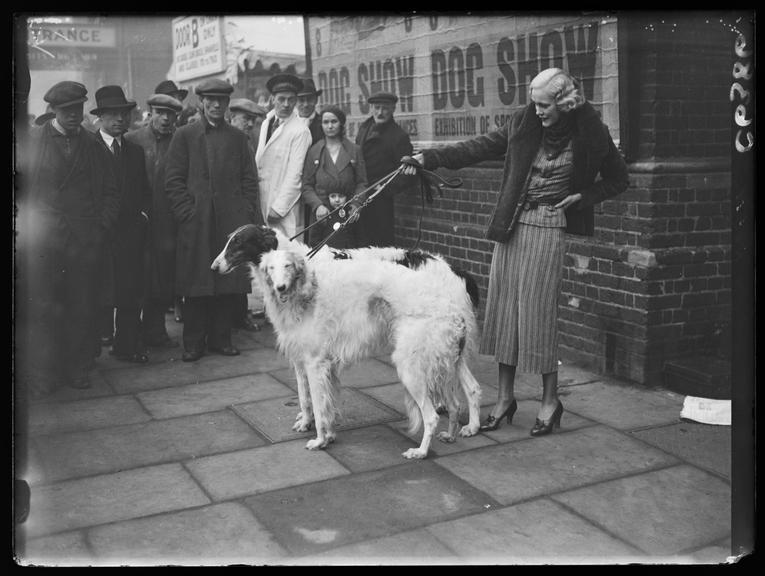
<point>330,312</point>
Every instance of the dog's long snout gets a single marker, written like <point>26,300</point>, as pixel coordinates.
<point>220,265</point>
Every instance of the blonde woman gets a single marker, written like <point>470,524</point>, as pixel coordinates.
<point>554,149</point>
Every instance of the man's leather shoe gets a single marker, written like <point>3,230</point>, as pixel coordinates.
<point>192,356</point>
<point>225,351</point>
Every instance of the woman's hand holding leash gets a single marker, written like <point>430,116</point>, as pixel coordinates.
<point>409,167</point>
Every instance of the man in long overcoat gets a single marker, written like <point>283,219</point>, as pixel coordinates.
<point>67,206</point>
<point>113,110</point>
<point>383,143</point>
<point>284,141</point>
<point>212,188</point>
<point>159,281</point>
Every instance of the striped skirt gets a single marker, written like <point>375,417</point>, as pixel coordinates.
<point>521,320</point>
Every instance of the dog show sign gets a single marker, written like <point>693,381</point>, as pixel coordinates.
<point>199,47</point>
<point>459,76</point>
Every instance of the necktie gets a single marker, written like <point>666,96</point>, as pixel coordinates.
<point>274,126</point>
<point>116,148</point>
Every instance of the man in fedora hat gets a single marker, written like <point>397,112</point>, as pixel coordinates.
<point>284,141</point>
<point>383,144</point>
<point>113,111</point>
<point>67,203</point>
<point>159,266</point>
<point>169,88</point>
<point>213,190</point>
<point>306,105</point>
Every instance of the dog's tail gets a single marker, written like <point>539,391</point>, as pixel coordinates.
<point>471,286</point>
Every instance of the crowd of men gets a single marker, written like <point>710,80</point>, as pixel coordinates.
<point>115,225</point>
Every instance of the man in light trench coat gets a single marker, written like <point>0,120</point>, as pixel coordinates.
<point>284,141</point>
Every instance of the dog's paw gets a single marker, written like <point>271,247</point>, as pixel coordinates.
<point>302,426</point>
<point>316,444</point>
<point>468,430</point>
<point>446,437</point>
<point>414,454</point>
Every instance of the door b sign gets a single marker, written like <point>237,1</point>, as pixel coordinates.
<point>198,46</point>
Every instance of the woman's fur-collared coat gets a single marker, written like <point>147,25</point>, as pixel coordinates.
<point>519,140</point>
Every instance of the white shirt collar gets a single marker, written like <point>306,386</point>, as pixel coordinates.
<point>60,128</point>
<point>108,139</point>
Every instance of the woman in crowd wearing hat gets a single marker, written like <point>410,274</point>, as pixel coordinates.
<point>333,165</point>
<point>284,141</point>
<point>128,245</point>
<point>306,106</point>
<point>67,203</point>
<point>159,282</point>
<point>554,149</point>
<point>213,189</point>
<point>383,144</point>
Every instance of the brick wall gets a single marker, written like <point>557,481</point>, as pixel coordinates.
<point>653,283</point>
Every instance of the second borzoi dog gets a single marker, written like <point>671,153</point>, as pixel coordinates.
<point>328,313</point>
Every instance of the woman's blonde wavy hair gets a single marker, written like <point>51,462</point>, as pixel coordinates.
<point>563,87</point>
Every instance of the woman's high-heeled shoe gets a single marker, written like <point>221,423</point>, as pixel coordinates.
<point>493,423</point>
<point>541,428</point>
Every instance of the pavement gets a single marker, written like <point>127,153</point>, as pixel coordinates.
<point>174,463</point>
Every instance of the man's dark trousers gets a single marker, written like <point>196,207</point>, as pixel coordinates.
<point>208,320</point>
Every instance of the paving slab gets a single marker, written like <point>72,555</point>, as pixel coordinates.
<point>524,418</point>
<point>111,497</point>
<point>439,448</point>
<point>656,509</point>
<point>65,549</point>
<point>485,370</point>
<point>245,472</point>
<point>369,448</point>
<point>392,395</point>
<point>124,447</point>
<point>220,534</point>
<point>99,387</point>
<point>314,517</point>
<point>536,532</point>
<point>88,414</point>
<point>702,445</point>
<point>209,367</point>
<point>210,396</point>
<point>623,407</point>
<point>526,469</point>
<point>370,372</point>
<point>274,418</point>
<point>411,548</point>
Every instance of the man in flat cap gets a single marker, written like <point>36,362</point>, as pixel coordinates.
<point>212,187</point>
<point>159,270</point>
<point>247,116</point>
<point>383,144</point>
<point>307,99</point>
<point>67,205</point>
<point>113,111</point>
<point>284,141</point>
